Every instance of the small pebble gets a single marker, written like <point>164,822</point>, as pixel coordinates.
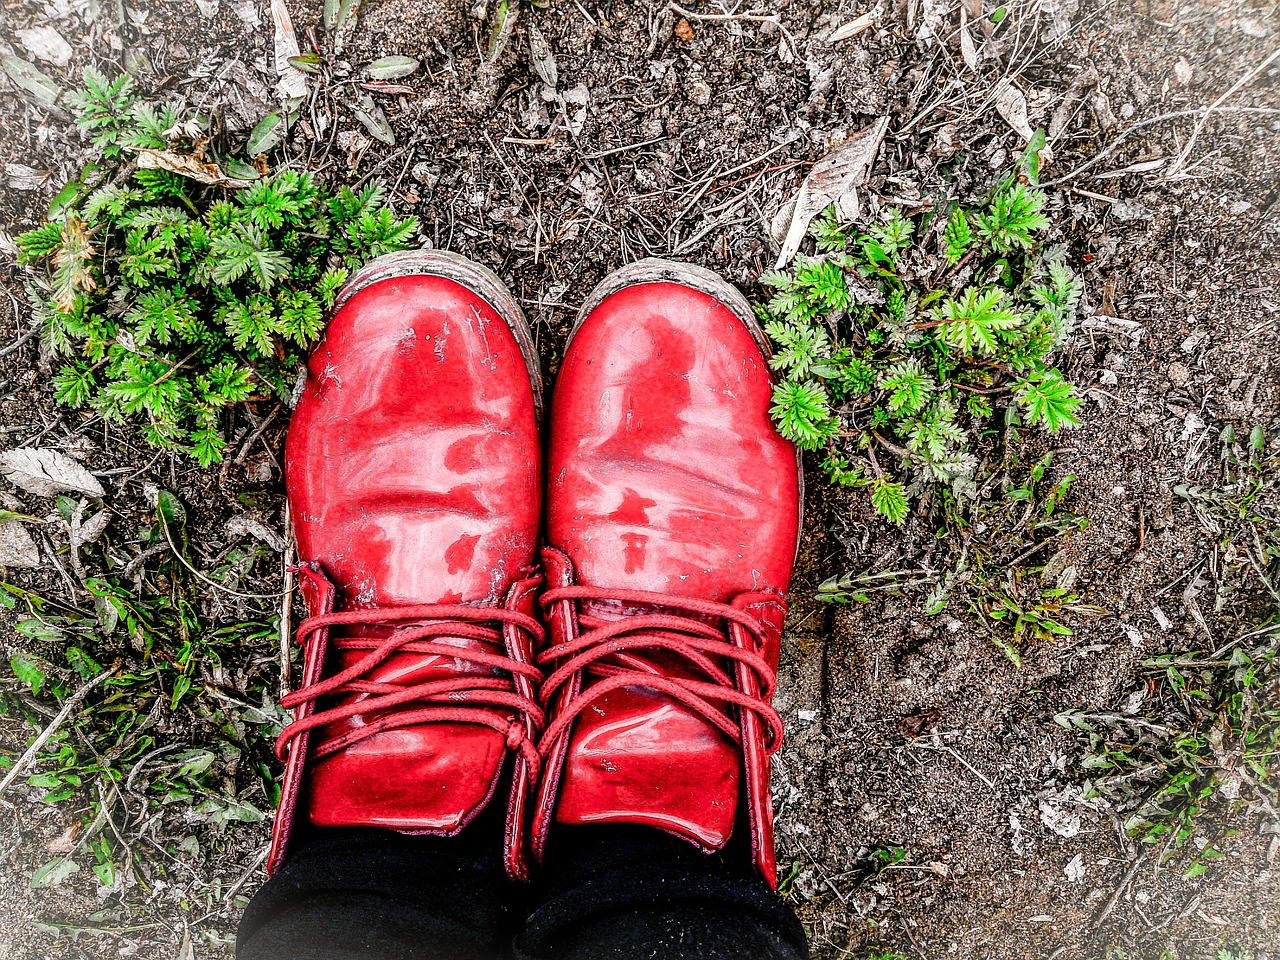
<point>1178,374</point>
<point>700,92</point>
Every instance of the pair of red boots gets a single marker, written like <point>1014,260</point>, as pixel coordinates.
<point>626,668</point>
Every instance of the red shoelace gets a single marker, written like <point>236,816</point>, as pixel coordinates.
<point>393,705</point>
<point>607,650</point>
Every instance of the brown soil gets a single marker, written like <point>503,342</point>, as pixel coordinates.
<point>686,148</point>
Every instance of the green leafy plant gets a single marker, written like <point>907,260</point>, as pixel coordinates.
<point>142,645</point>
<point>1215,746</point>
<point>1240,511</point>
<point>1010,570</point>
<point>898,342</point>
<point>168,298</point>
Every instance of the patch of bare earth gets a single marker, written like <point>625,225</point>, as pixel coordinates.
<point>681,133</point>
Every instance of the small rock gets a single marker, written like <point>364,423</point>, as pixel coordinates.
<point>1189,345</point>
<point>1178,374</point>
<point>1182,70</point>
<point>699,92</point>
<point>425,173</point>
<point>683,30</point>
<point>1127,210</point>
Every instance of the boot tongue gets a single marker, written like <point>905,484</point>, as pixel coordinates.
<point>638,755</point>
<point>429,777</point>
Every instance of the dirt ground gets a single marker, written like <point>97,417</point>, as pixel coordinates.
<point>680,132</point>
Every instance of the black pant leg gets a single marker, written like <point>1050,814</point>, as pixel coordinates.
<point>632,893</point>
<point>363,894</point>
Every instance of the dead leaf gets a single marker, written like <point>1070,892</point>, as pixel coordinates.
<point>374,120</point>
<point>836,177</point>
<point>967,48</point>
<point>852,28</point>
<point>47,473</point>
<point>65,841</point>
<point>391,68</point>
<point>293,82</point>
<point>40,88</point>
<point>387,89</point>
<point>17,546</point>
<point>46,43</point>
<point>932,15</point>
<point>189,167</point>
<point>83,534</point>
<point>542,56</point>
<point>919,723</point>
<point>1012,105</point>
<point>243,524</point>
<point>24,178</point>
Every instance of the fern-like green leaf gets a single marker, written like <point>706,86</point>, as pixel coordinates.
<point>39,243</point>
<point>908,385</point>
<point>958,236</point>
<point>803,414</point>
<point>244,251</point>
<point>207,446</point>
<point>970,323</point>
<point>889,499</point>
<point>1011,217</point>
<point>1048,401</point>
<point>330,285</point>
<point>800,347</point>
<point>74,385</point>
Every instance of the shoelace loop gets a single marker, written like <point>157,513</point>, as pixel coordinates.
<point>420,629</point>
<point>607,648</point>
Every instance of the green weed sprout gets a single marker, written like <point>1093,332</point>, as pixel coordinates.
<point>896,344</point>
<point>168,299</point>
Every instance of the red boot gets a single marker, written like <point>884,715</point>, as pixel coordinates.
<point>413,477</point>
<point>672,515</point>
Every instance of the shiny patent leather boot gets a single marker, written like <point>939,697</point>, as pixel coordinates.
<point>414,480</point>
<point>673,509</point>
